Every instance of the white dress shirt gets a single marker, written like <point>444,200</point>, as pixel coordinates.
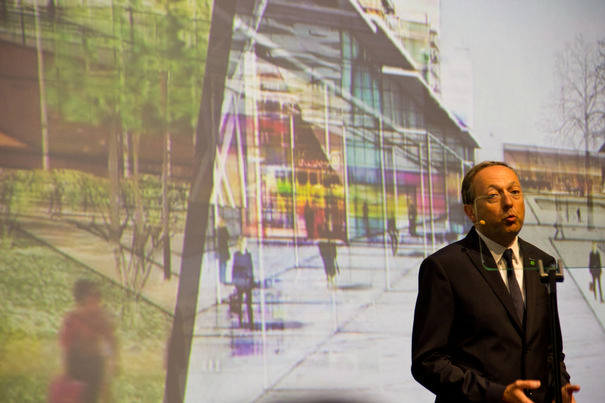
<point>497,251</point>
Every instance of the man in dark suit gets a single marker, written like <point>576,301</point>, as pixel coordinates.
<point>482,335</point>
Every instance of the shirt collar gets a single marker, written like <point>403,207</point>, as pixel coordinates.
<point>497,250</point>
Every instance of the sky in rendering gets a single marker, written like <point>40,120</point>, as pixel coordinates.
<point>512,46</point>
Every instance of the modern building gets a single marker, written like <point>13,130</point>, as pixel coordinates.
<point>325,105</point>
<point>545,169</point>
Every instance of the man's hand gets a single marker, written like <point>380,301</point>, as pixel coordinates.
<point>567,392</point>
<point>515,392</point>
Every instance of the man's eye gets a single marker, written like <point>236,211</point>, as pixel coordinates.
<point>515,192</point>
<point>493,196</point>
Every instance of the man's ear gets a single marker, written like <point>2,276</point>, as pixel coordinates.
<point>470,213</point>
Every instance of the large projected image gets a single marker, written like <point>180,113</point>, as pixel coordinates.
<point>229,201</point>
<point>340,166</point>
<point>98,108</point>
<point>336,152</point>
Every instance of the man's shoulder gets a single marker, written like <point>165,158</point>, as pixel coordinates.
<point>458,251</point>
<point>451,250</point>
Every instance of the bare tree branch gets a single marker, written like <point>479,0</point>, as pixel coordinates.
<point>578,111</point>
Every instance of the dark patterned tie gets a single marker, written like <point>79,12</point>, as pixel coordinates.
<point>513,284</point>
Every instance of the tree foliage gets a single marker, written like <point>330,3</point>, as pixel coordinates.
<point>110,62</point>
<point>134,70</point>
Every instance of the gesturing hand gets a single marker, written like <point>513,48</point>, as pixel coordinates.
<point>515,392</point>
<point>567,392</point>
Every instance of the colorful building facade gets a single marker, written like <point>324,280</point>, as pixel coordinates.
<point>330,129</point>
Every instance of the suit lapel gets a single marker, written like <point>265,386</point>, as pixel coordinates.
<point>487,267</point>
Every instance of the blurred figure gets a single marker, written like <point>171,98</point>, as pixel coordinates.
<point>222,250</point>
<point>56,197</point>
<point>243,279</point>
<point>366,218</point>
<point>594,263</point>
<point>412,214</point>
<point>393,235</point>
<point>559,227</point>
<point>309,220</point>
<point>327,251</point>
<point>89,345</point>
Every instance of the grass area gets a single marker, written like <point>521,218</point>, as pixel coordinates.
<point>35,293</point>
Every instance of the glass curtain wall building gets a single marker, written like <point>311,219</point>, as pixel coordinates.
<point>328,135</point>
<point>325,110</point>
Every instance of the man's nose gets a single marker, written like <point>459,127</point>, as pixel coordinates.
<point>506,199</point>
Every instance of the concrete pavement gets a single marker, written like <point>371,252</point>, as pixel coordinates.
<point>68,236</point>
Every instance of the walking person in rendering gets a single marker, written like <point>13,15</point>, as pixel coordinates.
<point>366,219</point>
<point>559,227</point>
<point>594,263</point>
<point>243,279</point>
<point>327,251</point>
<point>309,214</point>
<point>412,215</point>
<point>89,344</point>
<point>393,235</point>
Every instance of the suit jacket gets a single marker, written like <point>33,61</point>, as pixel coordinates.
<point>467,341</point>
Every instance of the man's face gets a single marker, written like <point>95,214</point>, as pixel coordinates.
<point>499,203</point>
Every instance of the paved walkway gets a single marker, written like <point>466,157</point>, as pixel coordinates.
<point>68,236</point>
<point>352,339</point>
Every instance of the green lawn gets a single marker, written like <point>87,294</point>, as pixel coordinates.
<point>35,293</point>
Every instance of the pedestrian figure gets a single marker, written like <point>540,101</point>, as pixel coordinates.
<point>243,279</point>
<point>90,348</point>
<point>559,227</point>
<point>222,250</point>
<point>393,235</point>
<point>327,251</point>
<point>309,220</point>
<point>412,214</point>
<point>56,197</point>
<point>579,214</point>
<point>594,263</point>
<point>366,218</point>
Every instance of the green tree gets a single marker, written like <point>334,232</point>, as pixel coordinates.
<point>134,70</point>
